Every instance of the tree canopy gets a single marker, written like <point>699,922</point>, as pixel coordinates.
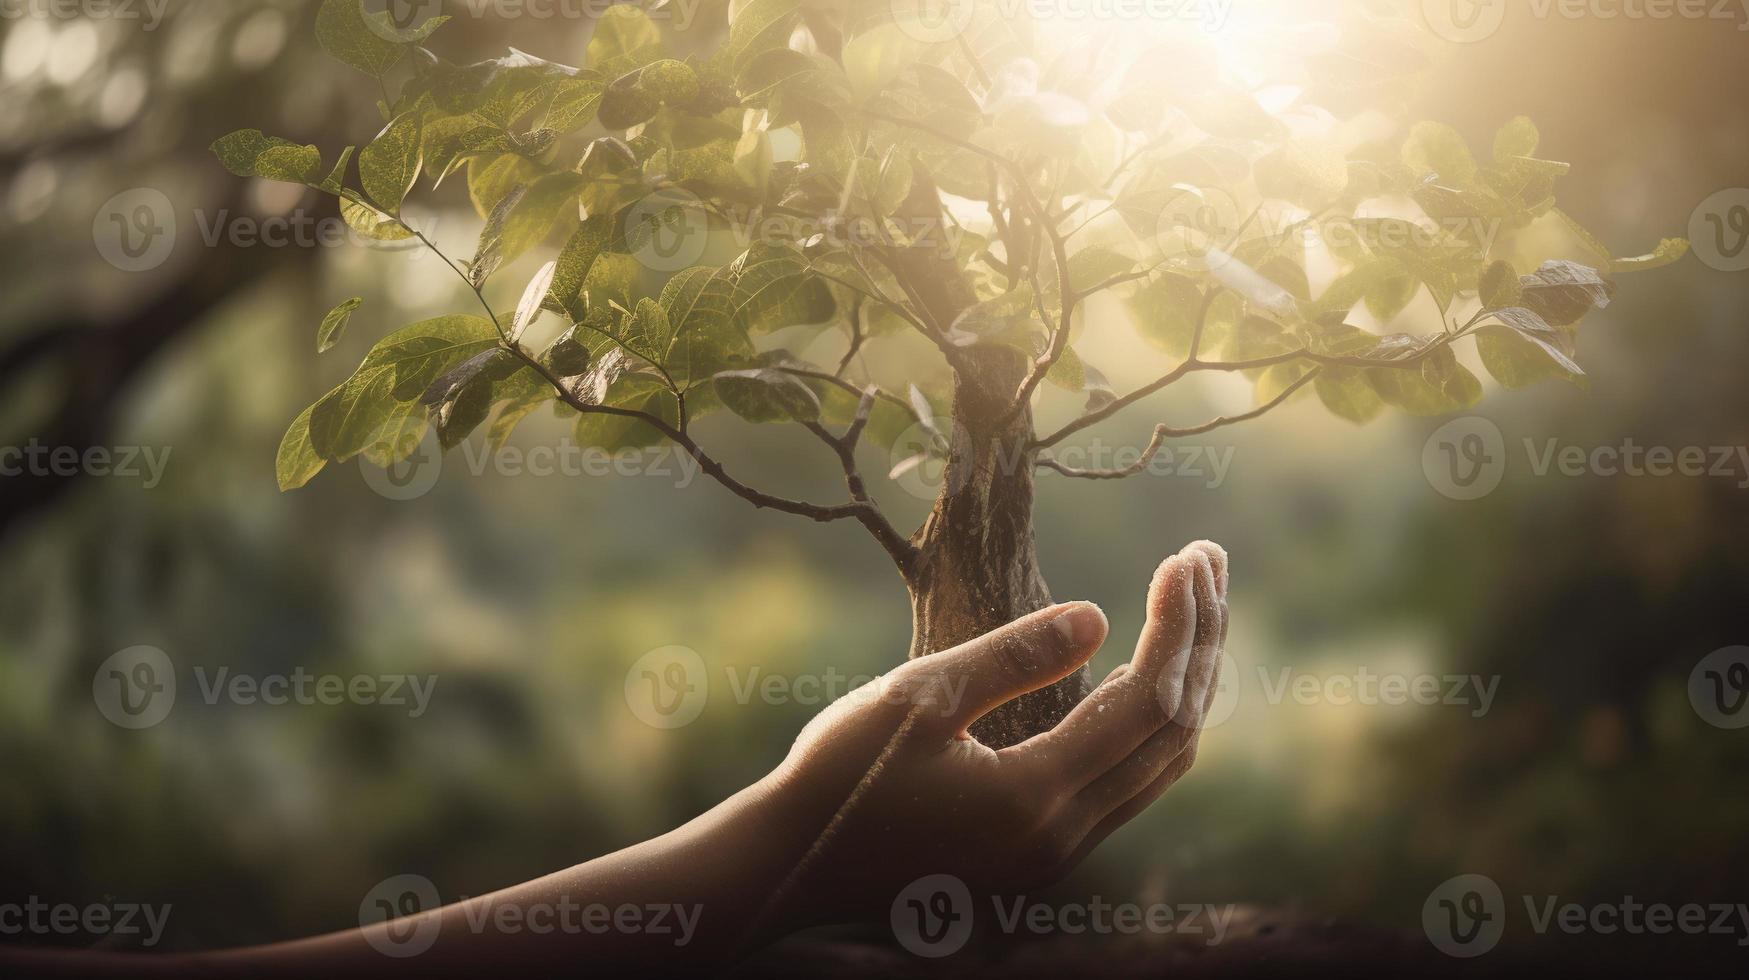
<point>716,195</point>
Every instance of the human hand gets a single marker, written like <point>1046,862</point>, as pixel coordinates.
<point>899,790</point>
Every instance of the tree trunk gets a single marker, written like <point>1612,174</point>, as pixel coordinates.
<point>977,565</point>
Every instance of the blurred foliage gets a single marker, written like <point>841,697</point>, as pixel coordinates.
<point>529,598</point>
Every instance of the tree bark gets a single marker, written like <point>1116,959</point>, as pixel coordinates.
<point>976,566</point>
<point>977,563</point>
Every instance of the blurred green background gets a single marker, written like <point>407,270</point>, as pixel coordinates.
<point>1592,599</point>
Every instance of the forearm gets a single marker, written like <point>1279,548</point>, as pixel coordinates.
<point>697,896</point>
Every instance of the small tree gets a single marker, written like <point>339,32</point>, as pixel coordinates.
<point>956,188</point>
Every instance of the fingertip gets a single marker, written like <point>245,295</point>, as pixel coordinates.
<point>1218,562</point>
<point>1082,626</point>
<point>1170,587</point>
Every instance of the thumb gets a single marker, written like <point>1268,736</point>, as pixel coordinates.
<point>1030,653</point>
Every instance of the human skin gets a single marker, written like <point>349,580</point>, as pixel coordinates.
<point>882,788</point>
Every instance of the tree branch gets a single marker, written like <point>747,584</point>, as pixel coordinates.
<point>897,545</point>
<point>862,510</point>
<point>1164,432</point>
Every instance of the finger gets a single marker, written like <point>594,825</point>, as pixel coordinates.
<point>1105,826</point>
<point>1138,781</point>
<point>1114,720</point>
<point>1211,631</point>
<point>1217,556</point>
<point>1135,773</point>
<point>964,684</point>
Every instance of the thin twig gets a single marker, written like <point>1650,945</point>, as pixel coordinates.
<point>1165,432</point>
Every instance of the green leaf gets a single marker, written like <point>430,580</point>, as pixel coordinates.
<point>574,263</point>
<point>533,296</point>
<point>767,395</point>
<point>1562,292</point>
<point>297,462</point>
<point>344,34</point>
<point>1165,313</point>
<point>334,324</point>
<point>648,328</point>
<point>1435,385</point>
<point>1499,287</point>
<point>248,153</point>
<point>874,58</point>
<point>335,182</point>
<point>1517,361</point>
<point>388,167</point>
<point>1554,344</point>
<point>1438,149</point>
<point>371,223</point>
<point>708,336</point>
<point>1518,138</point>
<point>397,370</point>
<point>568,357</point>
<point>622,32</point>
<point>756,26</point>
<point>522,220</point>
<point>1347,394</point>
